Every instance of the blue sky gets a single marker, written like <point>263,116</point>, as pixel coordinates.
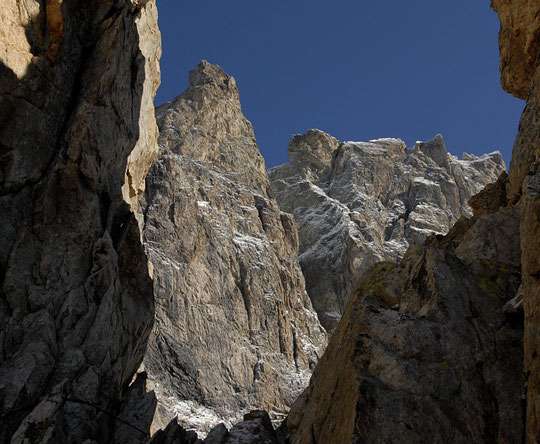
<point>356,69</point>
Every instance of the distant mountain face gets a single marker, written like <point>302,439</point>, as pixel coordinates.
<point>234,327</point>
<point>358,203</point>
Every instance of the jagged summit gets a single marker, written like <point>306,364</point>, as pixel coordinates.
<point>357,203</point>
<point>435,149</point>
<point>314,147</point>
<point>444,346</point>
<point>206,124</point>
<point>206,73</point>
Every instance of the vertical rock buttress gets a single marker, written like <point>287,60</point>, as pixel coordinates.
<point>235,329</point>
<point>77,136</point>
<point>519,42</point>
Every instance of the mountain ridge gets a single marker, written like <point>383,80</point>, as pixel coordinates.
<point>357,203</point>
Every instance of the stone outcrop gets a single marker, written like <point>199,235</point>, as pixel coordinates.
<point>360,203</point>
<point>519,42</point>
<point>429,350</point>
<point>77,135</point>
<point>425,351</point>
<point>234,326</point>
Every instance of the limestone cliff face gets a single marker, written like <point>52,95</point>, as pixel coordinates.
<point>527,146</point>
<point>77,135</point>
<point>360,203</point>
<point>519,41</point>
<point>234,326</point>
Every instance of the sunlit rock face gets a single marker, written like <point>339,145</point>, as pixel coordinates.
<point>77,83</point>
<point>518,43</point>
<point>234,326</point>
<point>357,203</point>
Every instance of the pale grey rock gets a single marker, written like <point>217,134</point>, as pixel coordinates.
<point>76,303</point>
<point>357,203</point>
<point>255,428</point>
<point>235,329</point>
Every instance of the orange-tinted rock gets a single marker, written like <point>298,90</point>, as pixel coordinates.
<point>519,42</point>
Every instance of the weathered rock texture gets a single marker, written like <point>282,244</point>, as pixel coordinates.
<point>234,326</point>
<point>520,66</point>
<point>77,135</point>
<point>519,41</point>
<point>426,351</point>
<point>256,428</point>
<point>360,203</point>
<point>527,181</point>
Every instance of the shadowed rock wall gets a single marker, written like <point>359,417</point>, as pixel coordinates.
<point>77,136</point>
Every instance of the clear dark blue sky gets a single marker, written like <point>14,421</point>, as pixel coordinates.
<point>358,70</point>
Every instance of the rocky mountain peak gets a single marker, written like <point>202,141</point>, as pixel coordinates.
<point>206,124</point>
<point>440,346</point>
<point>207,74</point>
<point>456,323</point>
<point>392,145</point>
<point>311,155</point>
<point>315,147</point>
<point>435,149</point>
<point>235,326</point>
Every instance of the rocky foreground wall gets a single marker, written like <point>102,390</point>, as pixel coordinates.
<point>77,136</point>
<point>428,350</point>
<point>519,40</point>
